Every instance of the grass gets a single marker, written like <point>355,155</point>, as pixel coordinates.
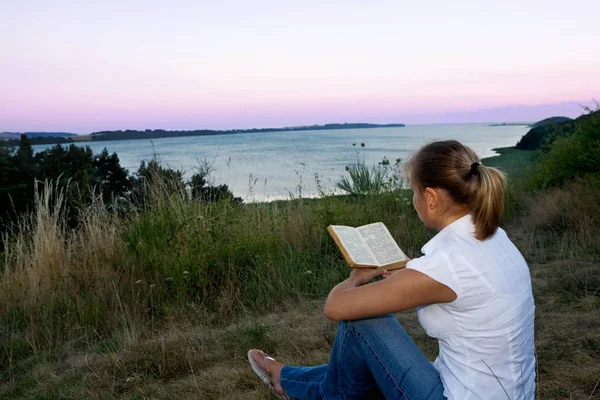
<point>511,160</point>
<point>164,302</point>
<point>365,180</point>
<point>559,237</point>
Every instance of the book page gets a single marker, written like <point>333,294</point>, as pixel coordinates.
<point>354,245</point>
<point>382,244</point>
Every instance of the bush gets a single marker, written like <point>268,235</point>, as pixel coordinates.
<point>572,156</point>
<point>364,180</point>
<point>544,132</point>
<point>202,190</point>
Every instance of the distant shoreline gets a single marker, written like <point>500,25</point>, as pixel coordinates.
<point>160,133</point>
<point>511,124</point>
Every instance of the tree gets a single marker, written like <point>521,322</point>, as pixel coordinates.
<point>201,190</point>
<point>20,171</point>
<point>112,179</point>
<point>152,180</point>
<point>573,156</point>
<point>9,185</point>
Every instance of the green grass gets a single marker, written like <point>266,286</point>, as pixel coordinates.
<point>177,256</point>
<point>164,302</point>
<point>512,161</point>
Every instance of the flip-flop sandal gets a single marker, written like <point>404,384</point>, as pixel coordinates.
<point>264,376</point>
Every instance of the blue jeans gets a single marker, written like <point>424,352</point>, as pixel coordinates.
<point>372,358</point>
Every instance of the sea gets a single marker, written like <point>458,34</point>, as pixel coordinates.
<point>266,166</point>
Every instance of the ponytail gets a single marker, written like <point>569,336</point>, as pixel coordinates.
<point>454,167</point>
<point>486,200</point>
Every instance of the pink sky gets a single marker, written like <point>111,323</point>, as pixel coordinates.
<point>81,67</point>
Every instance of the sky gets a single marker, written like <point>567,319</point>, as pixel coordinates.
<point>85,66</point>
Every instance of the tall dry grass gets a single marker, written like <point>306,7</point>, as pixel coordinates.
<point>558,232</point>
<point>120,294</point>
<point>59,284</point>
<point>561,222</point>
<point>118,277</point>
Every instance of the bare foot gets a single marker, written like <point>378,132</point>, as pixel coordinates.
<point>271,366</point>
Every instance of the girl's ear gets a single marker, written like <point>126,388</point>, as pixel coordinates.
<point>432,197</point>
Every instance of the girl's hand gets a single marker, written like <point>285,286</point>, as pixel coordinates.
<point>387,274</point>
<point>360,276</point>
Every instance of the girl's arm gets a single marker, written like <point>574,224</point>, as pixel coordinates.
<point>354,298</point>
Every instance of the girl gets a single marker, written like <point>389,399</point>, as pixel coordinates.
<point>472,289</point>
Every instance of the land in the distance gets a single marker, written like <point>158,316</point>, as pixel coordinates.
<point>17,135</point>
<point>161,133</point>
<point>512,124</point>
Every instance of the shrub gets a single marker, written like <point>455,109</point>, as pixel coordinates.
<point>543,132</point>
<point>364,180</point>
<point>202,190</point>
<point>572,156</point>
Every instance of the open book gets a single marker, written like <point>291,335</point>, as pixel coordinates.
<point>369,246</point>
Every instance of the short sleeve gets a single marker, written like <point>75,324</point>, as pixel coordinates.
<point>437,266</point>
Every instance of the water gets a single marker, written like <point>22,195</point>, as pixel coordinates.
<point>273,165</point>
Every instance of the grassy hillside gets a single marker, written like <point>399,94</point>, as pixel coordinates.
<point>165,302</point>
<point>511,160</point>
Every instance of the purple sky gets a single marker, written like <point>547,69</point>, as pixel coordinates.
<point>82,66</point>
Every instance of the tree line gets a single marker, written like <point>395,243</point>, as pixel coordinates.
<point>80,175</point>
<point>161,133</point>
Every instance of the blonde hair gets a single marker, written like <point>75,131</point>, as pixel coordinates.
<point>454,167</point>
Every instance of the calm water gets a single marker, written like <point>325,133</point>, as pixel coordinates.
<point>266,166</point>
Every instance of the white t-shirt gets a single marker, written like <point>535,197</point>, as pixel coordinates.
<point>485,335</point>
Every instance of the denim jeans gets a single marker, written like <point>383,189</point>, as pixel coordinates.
<point>372,358</point>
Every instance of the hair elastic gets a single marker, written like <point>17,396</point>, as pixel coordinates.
<point>473,169</point>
